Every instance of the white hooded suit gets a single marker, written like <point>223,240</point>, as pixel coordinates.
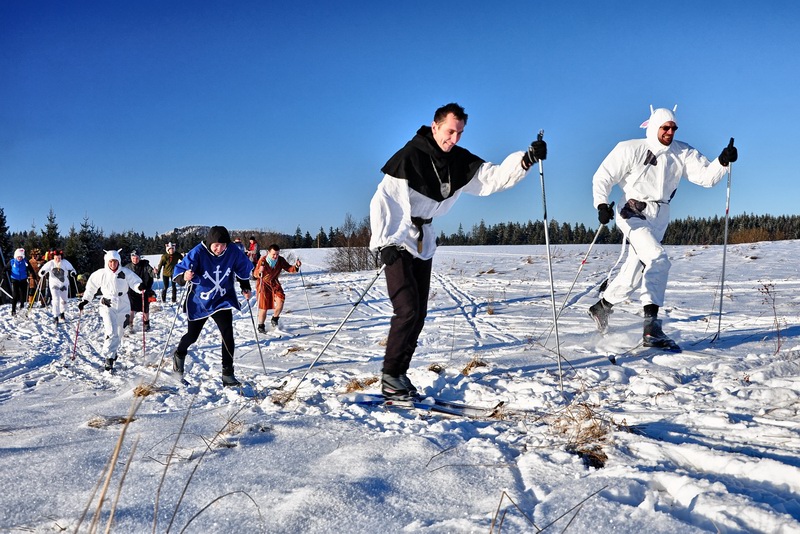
<point>648,172</point>
<point>114,302</point>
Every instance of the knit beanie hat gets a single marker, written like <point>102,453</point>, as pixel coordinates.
<point>218,234</point>
<point>19,253</point>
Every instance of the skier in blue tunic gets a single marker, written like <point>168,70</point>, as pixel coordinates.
<point>211,268</point>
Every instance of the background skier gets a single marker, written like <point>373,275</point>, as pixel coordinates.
<point>58,270</point>
<point>268,288</point>
<point>113,282</point>
<point>165,266</point>
<point>648,171</point>
<point>20,273</point>
<point>143,270</point>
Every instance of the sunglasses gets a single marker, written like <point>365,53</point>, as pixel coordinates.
<point>668,128</point>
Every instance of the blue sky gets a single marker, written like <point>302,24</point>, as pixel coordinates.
<point>151,115</point>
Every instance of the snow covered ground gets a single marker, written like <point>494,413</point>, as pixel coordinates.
<point>703,441</point>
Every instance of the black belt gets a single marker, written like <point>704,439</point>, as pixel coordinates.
<point>418,222</point>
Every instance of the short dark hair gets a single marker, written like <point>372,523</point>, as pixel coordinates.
<point>457,111</point>
<point>274,246</point>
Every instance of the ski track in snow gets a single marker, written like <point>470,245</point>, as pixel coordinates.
<point>693,442</point>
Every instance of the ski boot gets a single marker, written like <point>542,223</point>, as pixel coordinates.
<point>228,380</point>
<point>177,362</point>
<point>410,387</point>
<point>655,337</point>
<point>393,388</point>
<point>109,364</point>
<point>262,329</point>
<point>274,322</point>
<point>600,312</point>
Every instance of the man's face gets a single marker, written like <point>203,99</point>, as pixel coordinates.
<point>448,132</point>
<point>135,259</point>
<point>113,265</point>
<point>218,248</point>
<point>666,132</point>
<point>273,254</point>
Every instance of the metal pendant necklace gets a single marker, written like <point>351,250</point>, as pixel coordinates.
<point>444,187</point>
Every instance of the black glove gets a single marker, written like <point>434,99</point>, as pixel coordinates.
<point>605,213</point>
<point>142,288</point>
<point>729,154</point>
<point>106,302</point>
<point>536,152</point>
<point>82,304</point>
<point>390,254</point>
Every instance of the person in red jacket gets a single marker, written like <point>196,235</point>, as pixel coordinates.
<point>268,288</point>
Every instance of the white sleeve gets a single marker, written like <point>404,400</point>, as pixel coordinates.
<point>492,178</point>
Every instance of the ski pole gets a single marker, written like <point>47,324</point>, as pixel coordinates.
<point>550,269</point>
<point>580,268</point>
<point>172,327</point>
<point>36,293</point>
<point>255,333</point>
<point>77,331</point>
<point>291,394</point>
<point>308,304</point>
<point>724,247</point>
<point>144,334</point>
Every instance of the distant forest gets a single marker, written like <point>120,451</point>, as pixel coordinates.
<point>84,246</point>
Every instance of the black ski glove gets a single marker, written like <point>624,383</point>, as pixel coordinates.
<point>105,302</point>
<point>142,288</point>
<point>605,213</point>
<point>729,154</point>
<point>82,304</point>
<point>536,152</point>
<point>390,254</point>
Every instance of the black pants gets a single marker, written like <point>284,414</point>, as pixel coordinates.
<point>224,320</point>
<point>408,281</point>
<point>19,292</point>
<point>166,279</point>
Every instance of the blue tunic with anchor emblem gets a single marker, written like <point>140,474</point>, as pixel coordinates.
<point>213,281</point>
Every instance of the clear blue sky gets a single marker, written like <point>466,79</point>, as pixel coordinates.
<point>150,115</point>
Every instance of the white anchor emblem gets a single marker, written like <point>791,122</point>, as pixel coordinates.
<point>206,295</point>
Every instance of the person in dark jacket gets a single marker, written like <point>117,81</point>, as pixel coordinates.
<point>140,302</point>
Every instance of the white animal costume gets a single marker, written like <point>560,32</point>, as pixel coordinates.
<point>58,271</point>
<point>114,303</point>
<point>648,173</point>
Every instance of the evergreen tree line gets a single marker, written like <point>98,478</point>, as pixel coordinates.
<point>689,231</point>
<point>85,246</point>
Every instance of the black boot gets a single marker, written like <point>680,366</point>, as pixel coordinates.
<point>178,362</point>
<point>109,364</point>
<point>600,312</point>
<point>654,336</point>
<point>228,380</point>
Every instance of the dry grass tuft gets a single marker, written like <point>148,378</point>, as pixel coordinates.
<point>281,398</point>
<point>101,421</point>
<point>359,385</point>
<point>293,349</point>
<point>586,433</point>
<point>436,368</point>
<point>143,390</point>
<point>472,365</point>
<point>383,342</point>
